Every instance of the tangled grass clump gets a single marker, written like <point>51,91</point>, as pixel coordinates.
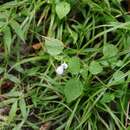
<point>93,39</point>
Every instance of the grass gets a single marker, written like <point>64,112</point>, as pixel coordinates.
<point>91,37</point>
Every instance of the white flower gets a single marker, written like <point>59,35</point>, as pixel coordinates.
<point>65,66</point>
<point>60,69</point>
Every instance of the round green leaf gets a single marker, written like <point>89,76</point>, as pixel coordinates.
<point>104,63</point>
<point>74,65</point>
<point>119,77</point>
<point>54,46</point>
<point>73,89</point>
<point>109,50</point>
<point>95,68</point>
<point>119,63</point>
<point>62,9</point>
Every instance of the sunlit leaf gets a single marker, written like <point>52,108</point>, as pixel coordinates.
<point>62,9</point>
<point>109,50</point>
<point>119,77</point>
<point>74,65</point>
<point>73,89</point>
<point>95,67</point>
<point>54,46</point>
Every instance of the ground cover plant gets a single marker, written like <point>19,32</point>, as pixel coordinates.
<point>64,65</point>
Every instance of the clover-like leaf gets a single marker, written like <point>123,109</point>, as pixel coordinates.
<point>54,46</point>
<point>73,89</point>
<point>62,9</point>
<point>109,50</point>
<point>74,65</point>
<point>119,77</point>
<point>95,68</point>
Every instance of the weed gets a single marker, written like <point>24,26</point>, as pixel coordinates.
<point>91,37</point>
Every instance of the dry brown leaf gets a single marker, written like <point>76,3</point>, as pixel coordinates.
<point>37,46</point>
<point>45,126</point>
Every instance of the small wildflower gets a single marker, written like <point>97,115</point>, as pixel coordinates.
<point>60,69</point>
<point>65,66</point>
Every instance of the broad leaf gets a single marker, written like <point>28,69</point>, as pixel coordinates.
<point>119,63</point>
<point>95,68</point>
<point>74,65</point>
<point>62,9</point>
<point>109,50</point>
<point>54,46</point>
<point>73,89</point>
<point>119,77</point>
<point>104,63</point>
